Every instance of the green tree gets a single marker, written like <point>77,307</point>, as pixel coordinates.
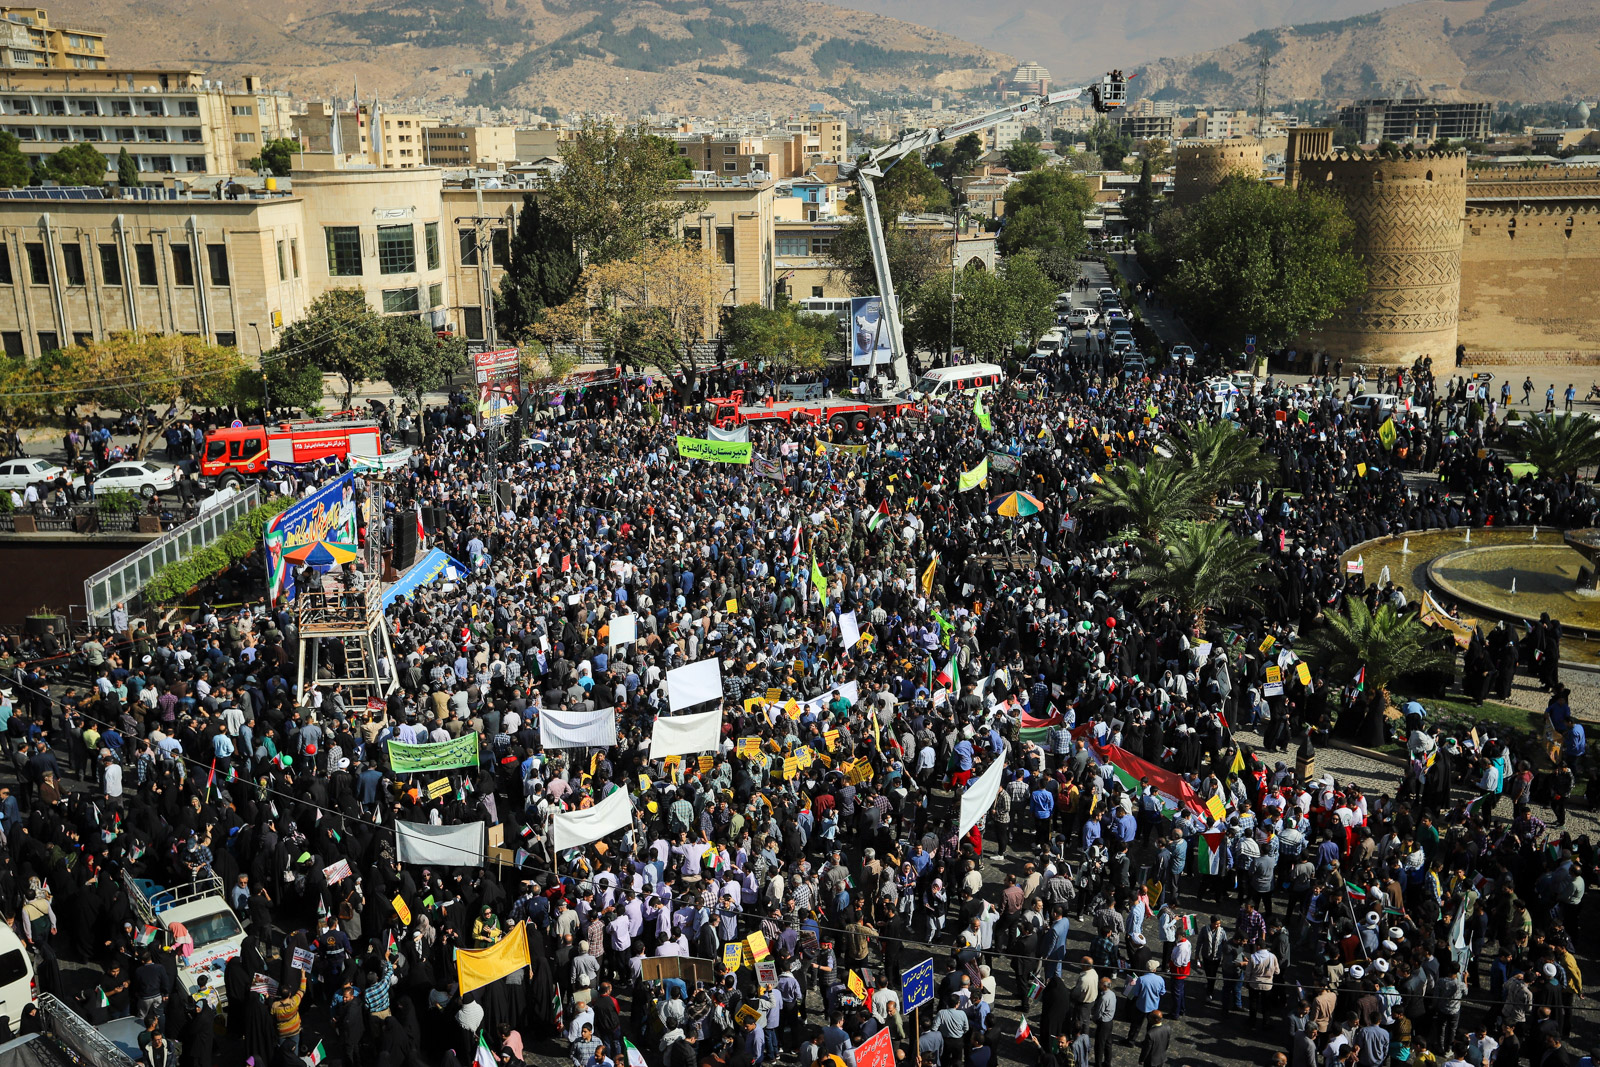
<point>1060,137</point>
<point>339,335</point>
<point>127,170</point>
<point>1045,211</point>
<point>965,155</point>
<point>416,360</point>
<point>785,339</point>
<point>1558,445</point>
<point>1387,644</point>
<point>1032,134</point>
<point>985,314</point>
<point>1141,203</point>
<point>617,191</point>
<point>1021,156</point>
<point>1112,153</point>
<point>542,272</point>
<point>80,164</point>
<point>907,188</point>
<point>927,316</point>
<point>15,170</point>
<point>1219,455</point>
<point>158,378</point>
<point>1256,258</point>
<point>1033,295</point>
<point>1148,499</point>
<point>681,170</point>
<point>914,256</point>
<point>1157,151</point>
<point>290,384</point>
<point>1199,567</point>
<point>276,158</point>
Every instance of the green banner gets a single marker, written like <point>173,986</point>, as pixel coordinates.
<point>714,451</point>
<point>443,756</point>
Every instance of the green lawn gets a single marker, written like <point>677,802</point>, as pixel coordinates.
<point>1457,709</point>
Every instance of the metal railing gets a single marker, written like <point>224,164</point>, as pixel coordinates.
<point>123,580</point>
<point>71,1029</point>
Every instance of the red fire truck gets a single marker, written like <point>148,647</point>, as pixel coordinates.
<point>235,451</point>
<point>841,414</point>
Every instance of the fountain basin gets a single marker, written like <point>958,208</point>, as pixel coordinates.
<point>1546,577</point>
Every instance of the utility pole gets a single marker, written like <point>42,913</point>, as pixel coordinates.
<point>1261,92</point>
<point>483,227</point>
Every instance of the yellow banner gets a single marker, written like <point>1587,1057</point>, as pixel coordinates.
<point>476,968</point>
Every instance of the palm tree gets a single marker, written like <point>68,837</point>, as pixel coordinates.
<point>1557,444</point>
<point>1200,567</point>
<point>1151,498</point>
<point>1386,644</point>
<point>1219,454</point>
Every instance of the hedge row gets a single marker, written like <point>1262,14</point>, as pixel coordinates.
<point>242,538</point>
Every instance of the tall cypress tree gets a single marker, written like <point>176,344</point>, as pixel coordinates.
<point>543,271</point>
<point>127,170</point>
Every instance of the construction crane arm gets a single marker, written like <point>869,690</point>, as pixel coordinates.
<point>1108,93</point>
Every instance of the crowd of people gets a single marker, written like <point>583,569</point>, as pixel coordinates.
<point>1139,864</point>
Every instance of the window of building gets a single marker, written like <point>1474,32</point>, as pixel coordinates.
<point>436,294</point>
<point>344,251</point>
<point>121,108</point>
<point>725,243</point>
<point>217,265</point>
<point>816,292</point>
<point>472,323</point>
<point>182,265</point>
<point>730,166</point>
<point>245,138</point>
<point>500,241</point>
<point>5,265</point>
<point>294,255</point>
<point>227,340</point>
<point>21,107</point>
<point>195,164</point>
<point>152,107</point>
<point>38,264</point>
<point>12,339</point>
<point>88,107</point>
<point>729,150</point>
<point>191,135</point>
<point>72,263</point>
<point>156,134</point>
<point>189,109</point>
<point>430,241</point>
<point>90,133</point>
<point>161,164</point>
<point>399,300</point>
<point>110,265</point>
<point>49,341</point>
<point>82,337</point>
<point>397,249</point>
<point>60,133</point>
<point>243,109</point>
<point>820,245</point>
<point>794,246</point>
<point>469,247</point>
<point>126,135</point>
<point>144,260</point>
<point>55,107</point>
<point>283,266</point>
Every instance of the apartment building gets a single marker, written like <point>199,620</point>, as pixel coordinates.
<point>818,138</point>
<point>1219,125</point>
<point>27,40</point>
<point>365,134</point>
<point>170,121</point>
<point>1146,127</point>
<point>730,155</point>
<point>469,146</point>
<point>1417,120</point>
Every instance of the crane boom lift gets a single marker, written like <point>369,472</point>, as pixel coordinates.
<point>1108,93</point>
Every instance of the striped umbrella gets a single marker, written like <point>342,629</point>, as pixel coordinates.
<point>323,553</point>
<point>1016,505</point>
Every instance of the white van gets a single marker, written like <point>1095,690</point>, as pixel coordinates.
<point>1050,343</point>
<point>16,977</point>
<point>967,380</point>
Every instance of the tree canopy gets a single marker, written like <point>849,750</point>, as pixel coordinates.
<point>1044,211</point>
<point>1261,259</point>
<point>339,334</point>
<point>784,339</point>
<point>1023,155</point>
<point>1387,644</point>
<point>1557,444</point>
<point>416,360</point>
<point>617,191</point>
<point>15,170</point>
<point>915,256</point>
<point>542,272</point>
<point>277,157</point>
<point>159,378</point>
<point>81,164</point>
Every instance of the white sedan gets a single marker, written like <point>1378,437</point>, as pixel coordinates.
<point>136,476</point>
<point>20,473</point>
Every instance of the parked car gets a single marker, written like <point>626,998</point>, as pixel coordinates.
<point>21,473</point>
<point>137,476</point>
<point>1084,317</point>
<point>1374,407</point>
<point>1133,369</point>
<point>1121,335</point>
<point>1182,354</point>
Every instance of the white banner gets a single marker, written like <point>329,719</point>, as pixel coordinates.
<point>740,435</point>
<point>443,846</point>
<point>851,691</point>
<point>680,735</point>
<point>980,794</point>
<point>574,828</point>
<point>849,629</point>
<point>577,729</point>
<point>694,684</point>
<point>624,630</point>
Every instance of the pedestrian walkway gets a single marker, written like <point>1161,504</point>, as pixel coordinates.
<point>1161,318</point>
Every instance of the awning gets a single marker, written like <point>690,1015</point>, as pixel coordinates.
<point>431,567</point>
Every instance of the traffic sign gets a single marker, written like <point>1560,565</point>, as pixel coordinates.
<point>916,985</point>
<point>1250,339</point>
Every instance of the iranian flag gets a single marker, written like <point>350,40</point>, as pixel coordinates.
<point>1209,855</point>
<point>1170,789</point>
<point>483,1058</point>
<point>318,1054</point>
<point>950,677</point>
<point>1036,727</point>
<point>635,1057</point>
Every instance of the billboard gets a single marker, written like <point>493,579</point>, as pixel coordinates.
<point>869,333</point>
<point>497,374</point>
<point>319,531</point>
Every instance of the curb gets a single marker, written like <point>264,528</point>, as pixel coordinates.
<point>1369,753</point>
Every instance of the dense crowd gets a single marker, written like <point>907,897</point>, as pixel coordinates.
<point>1138,864</point>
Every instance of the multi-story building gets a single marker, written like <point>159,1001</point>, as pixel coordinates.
<point>169,121</point>
<point>1213,126</point>
<point>533,143</point>
<point>469,146</point>
<point>1417,120</point>
<point>731,156</point>
<point>365,134</point>
<point>27,40</point>
<point>1005,134</point>
<point>1029,79</point>
<point>1146,127</point>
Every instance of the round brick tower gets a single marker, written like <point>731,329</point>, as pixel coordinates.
<point>1200,166</point>
<point>1408,214</point>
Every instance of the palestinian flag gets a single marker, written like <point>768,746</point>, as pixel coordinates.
<point>1036,728</point>
<point>1208,854</point>
<point>950,677</point>
<point>879,517</point>
<point>1476,807</point>
<point>1171,791</point>
<point>1361,679</point>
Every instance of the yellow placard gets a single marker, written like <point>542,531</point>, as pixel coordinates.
<point>791,766</point>
<point>857,986</point>
<point>644,782</point>
<point>746,1014</point>
<point>757,943</point>
<point>401,910</point>
<point>752,704</point>
<point>732,954</point>
<point>831,738</point>
<point>805,756</point>
<point>438,788</point>
<point>860,771</point>
<point>732,605</point>
<point>1215,807</point>
<point>1267,642</point>
<point>672,762</point>
<point>792,709</point>
<point>707,761</point>
<point>1304,673</point>
<point>1274,675</point>
<point>1361,470</point>
<point>774,694</point>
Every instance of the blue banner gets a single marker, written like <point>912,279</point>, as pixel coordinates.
<point>318,531</point>
<point>431,567</point>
